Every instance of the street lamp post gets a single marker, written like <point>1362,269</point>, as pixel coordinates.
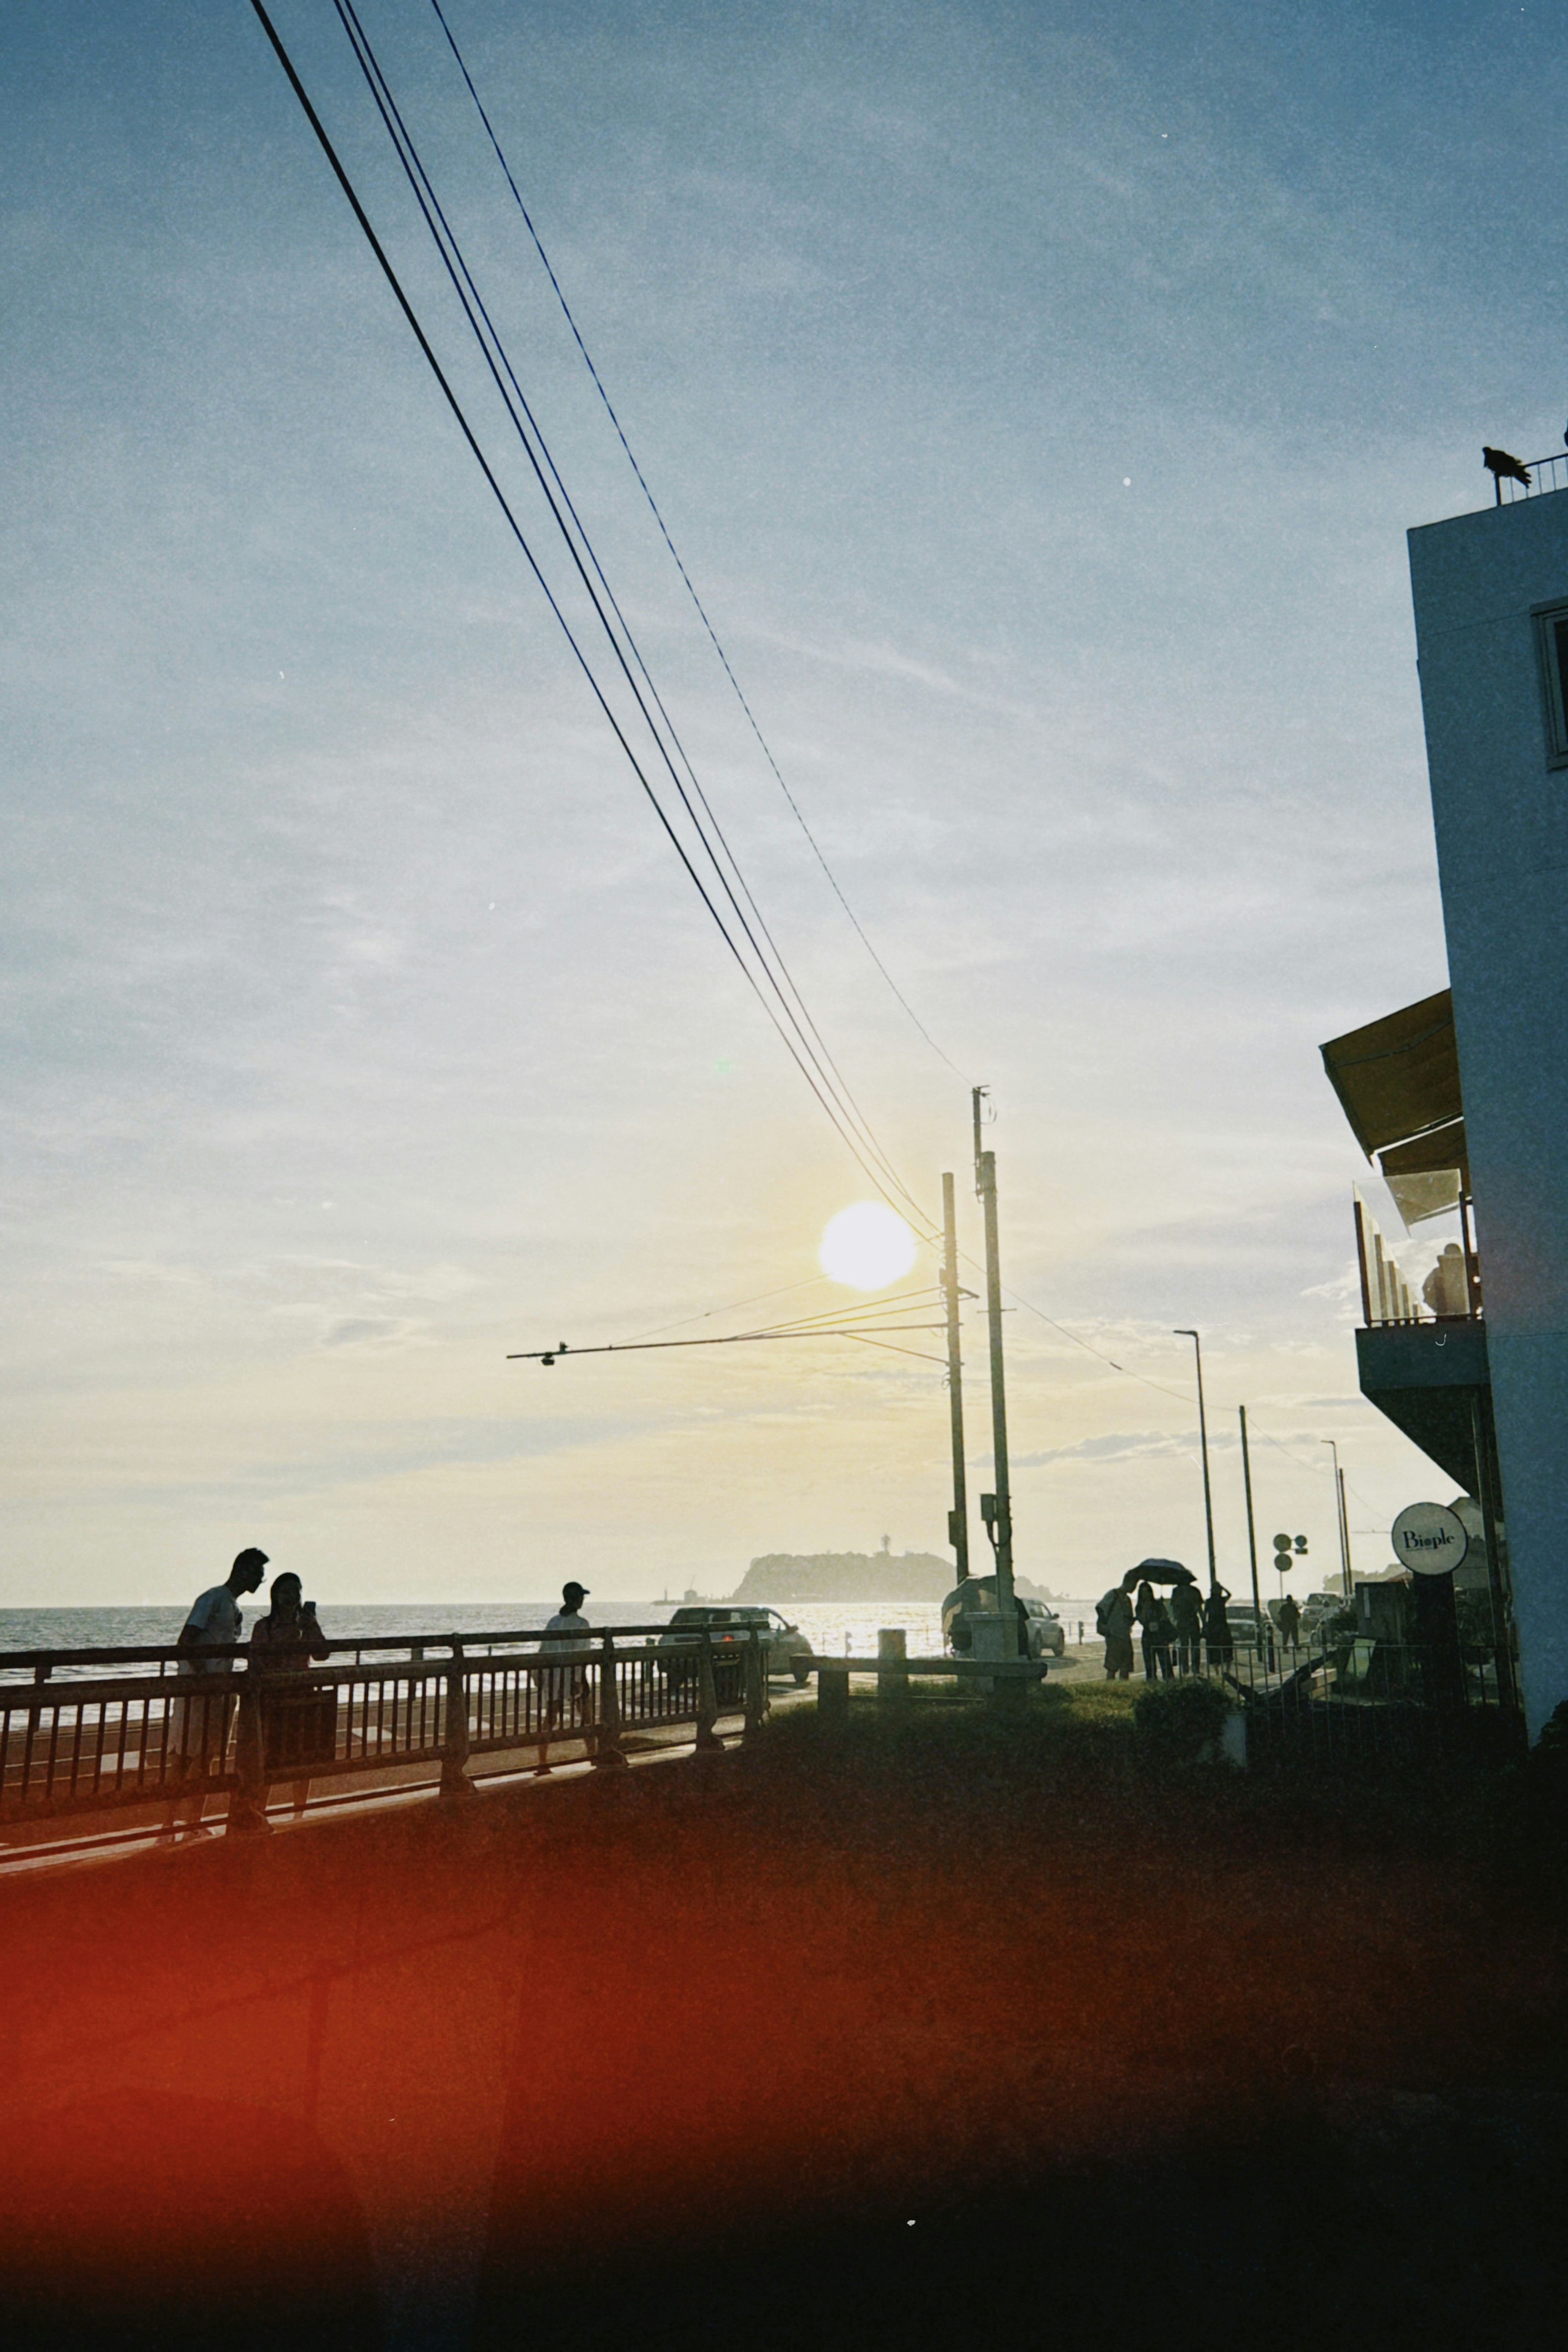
<point>1204,1444</point>
<point>1341,1516</point>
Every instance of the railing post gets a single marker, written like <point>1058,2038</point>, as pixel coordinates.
<point>706,1694</point>
<point>892,1663</point>
<point>833,1692</point>
<point>608,1753</point>
<point>248,1803</point>
<point>756,1686</point>
<point>454,1780</point>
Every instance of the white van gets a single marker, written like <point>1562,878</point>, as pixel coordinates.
<point>976,1597</point>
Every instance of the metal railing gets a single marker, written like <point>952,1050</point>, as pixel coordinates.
<point>1325,1701</point>
<point>1545,474</point>
<point>1357,1701</point>
<point>75,1740</point>
<point>1385,1293</point>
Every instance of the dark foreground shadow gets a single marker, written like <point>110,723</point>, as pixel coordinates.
<point>143,2219</point>
<point>1364,2220</point>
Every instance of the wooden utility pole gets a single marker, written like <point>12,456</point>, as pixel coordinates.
<point>958,1518</point>
<point>985,1186</point>
<point>1343,1520</point>
<point>1204,1450</point>
<point>1251,1531</point>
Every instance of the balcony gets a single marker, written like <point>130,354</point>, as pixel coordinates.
<point>1450,1292</point>
<point>1422,1357</point>
<point>1546,474</point>
<point>1421,1354</point>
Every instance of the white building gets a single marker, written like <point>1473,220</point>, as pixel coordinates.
<point>1490,594</point>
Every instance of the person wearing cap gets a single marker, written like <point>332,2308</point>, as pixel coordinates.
<point>197,1730</point>
<point>564,1685</point>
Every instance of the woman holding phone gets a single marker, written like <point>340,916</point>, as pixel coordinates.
<point>299,1721</point>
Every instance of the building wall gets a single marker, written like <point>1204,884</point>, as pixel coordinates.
<point>1502,817</point>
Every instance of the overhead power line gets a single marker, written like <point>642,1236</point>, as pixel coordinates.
<point>580,550</point>
<point>675,554</point>
<point>859,1323</point>
<point>847,1121</point>
<point>770,979</point>
<point>579,546</point>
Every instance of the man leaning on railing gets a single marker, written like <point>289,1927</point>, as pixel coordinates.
<point>196,1730</point>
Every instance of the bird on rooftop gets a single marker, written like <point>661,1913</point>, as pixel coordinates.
<point>1503,468</point>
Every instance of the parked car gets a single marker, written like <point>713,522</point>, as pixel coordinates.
<point>1318,1609</point>
<point>1249,1629</point>
<point>976,1597</point>
<point>786,1647</point>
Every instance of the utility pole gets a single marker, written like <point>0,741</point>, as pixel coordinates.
<point>1343,1523</point>
<point>1502,1614</point>
<point>985,1186</point>
<point>1204,1446</point>
<point>1251,1534</point>
<point>958,1518</point>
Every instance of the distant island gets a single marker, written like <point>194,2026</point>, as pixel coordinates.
<point>780,1576</point>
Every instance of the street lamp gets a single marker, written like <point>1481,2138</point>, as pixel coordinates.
<point>1204,1443</point>
<point>1343,1519</point>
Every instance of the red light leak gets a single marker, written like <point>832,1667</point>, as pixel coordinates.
<point>659,2011</point>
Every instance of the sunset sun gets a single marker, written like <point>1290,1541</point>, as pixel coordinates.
<point>866,1247</point>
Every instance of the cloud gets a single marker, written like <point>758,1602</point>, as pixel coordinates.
<point>1119,1446</point>
<point>374,1331</point>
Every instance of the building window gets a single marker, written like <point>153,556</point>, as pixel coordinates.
<point>1552,645</point>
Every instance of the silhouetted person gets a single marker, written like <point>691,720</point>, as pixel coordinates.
<point>1445,1289</point>
<point>1218,1641</point>
<point>1114,1620</point>
<point>1504,469</point>
<point>1156,1620</point>
<point>1290,1622</point>
<point>565,1684</point>
<point>297,1726</point>
<point>196,1730</point>
<point>1187,1618</point>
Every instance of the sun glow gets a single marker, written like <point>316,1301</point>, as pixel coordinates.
<point>866,1247</point>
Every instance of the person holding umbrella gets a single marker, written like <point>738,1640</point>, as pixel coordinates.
<point>1155,1619</point>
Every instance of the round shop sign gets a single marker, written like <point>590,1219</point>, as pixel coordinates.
<point>1430,1538</point>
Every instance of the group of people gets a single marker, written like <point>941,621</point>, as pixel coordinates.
<point>1176,1633</point>
<point>290,1736</point>
<point>295,1728</point>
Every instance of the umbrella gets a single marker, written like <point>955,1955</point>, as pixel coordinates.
<point>1164,1571</point>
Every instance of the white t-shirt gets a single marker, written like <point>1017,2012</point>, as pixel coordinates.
<point>214,1618</point>
<point>568,1674</point>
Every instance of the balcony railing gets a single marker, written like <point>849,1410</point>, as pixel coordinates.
<point>1545,474</point>
<point>1386,1294</point>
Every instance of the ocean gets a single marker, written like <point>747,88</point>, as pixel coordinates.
<point>833,1628</point>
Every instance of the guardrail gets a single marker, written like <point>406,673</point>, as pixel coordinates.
<point>89,1742</point>
<point>1545,474</point>
<point>893,1669</point>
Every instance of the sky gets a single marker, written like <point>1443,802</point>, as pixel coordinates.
<point>1037,398</point>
